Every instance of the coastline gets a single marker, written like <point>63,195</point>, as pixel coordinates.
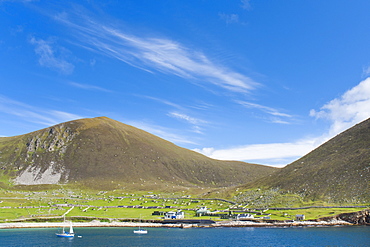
<point>96,223</point>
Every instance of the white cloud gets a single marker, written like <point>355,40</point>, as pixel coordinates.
<point>197,129</point>
<point>349,109</point>
<point>193,121</point>
<point>28,113</point>
<point>278,120</point>
<point>153,53</point>
<point>165,133</point>
<point>366,71</point>
<point>187,118</point>
<point>266,109</point>
<point>48,57</point>
<point>275,115</point>
<point>245,4</point>
<point>163,101</point>
<point>21,1</point>
<point>62,116</point>
<point>88,87</point>
<point>268,154</point>
<point>231,18</point>
<point>344,112</point>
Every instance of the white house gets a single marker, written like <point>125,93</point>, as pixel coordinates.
<point>174,215</point>
<point>202,211</point>
<point>244,216</point>
<point>299,217</point>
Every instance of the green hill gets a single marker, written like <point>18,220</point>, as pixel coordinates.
<point>106,154</point>
<point>338,170</point>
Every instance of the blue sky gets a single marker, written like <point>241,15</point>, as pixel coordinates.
<point>259,81</point>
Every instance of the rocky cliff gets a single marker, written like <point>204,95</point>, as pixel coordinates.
<point>357,218</point>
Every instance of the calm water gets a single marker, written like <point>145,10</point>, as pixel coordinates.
<point>304,236</point>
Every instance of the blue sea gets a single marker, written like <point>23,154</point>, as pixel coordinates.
<point>248,236</point>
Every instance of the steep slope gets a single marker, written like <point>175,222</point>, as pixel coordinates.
<point>102,152</point>
<point>338,170</point>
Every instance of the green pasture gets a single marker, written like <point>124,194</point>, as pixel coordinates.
<point>310,213</point>
<point>111,205</point>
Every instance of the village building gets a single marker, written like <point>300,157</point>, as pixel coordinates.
<point>203,211</point>
<point>299,217</point>
<point>174,215</point>
<point>244,216</point>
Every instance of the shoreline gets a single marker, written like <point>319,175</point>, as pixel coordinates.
<point>178,225</point>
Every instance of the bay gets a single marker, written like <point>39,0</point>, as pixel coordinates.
<point>246,236</point>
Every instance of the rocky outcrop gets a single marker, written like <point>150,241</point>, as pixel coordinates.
<point>357,218</point>
<point>40,159</point>
<point>56,138</point>
<point>34,175</point>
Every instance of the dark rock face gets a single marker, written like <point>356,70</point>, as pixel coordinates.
<point>357,218</point>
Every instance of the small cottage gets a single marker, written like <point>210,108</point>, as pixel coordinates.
<point>244,216</point>
<point>174,215</point>
<point>203,211</point>
<point>299,217</point>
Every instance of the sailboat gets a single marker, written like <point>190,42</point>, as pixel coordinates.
<point>65,234</point>
<point>140,231</point>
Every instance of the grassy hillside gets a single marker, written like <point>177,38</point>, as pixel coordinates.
<point>338,170</point>
<point>120,205</point>
<point>104,153</point>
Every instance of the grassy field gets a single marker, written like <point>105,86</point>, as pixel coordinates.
<point>19,205</point>
<point>311,213</point>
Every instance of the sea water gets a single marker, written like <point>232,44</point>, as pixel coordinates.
<point>246,236</point>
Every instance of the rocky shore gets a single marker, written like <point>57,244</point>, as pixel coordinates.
<point>346,219</point>
<point>179,225</point>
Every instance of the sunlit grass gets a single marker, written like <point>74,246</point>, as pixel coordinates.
<point>310,213</point>
<point>53,204</point>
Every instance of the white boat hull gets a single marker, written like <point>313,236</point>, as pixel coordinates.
<point>140,231</point>
<point>65,235</point>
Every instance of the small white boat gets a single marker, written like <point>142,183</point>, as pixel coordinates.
<point>65,234</point>
<point>140,231</point>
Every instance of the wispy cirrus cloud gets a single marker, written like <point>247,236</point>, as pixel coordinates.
<point>163,101</point>
<point>163,132</point>
<point>152,53</point>
<point>343,112</point>
<point>18,1</point>
<point>88,87</point>
<point>229,18</point>
<point>187,118</point>
<point>51,56</point>
<point>234,18</point>
<point>245,4</point>
<point>276,116</point>
<point>195,122</point>
<point>28,113</point>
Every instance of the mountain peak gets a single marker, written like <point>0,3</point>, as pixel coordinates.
<point>337,170</point>
<point>102,152</point>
